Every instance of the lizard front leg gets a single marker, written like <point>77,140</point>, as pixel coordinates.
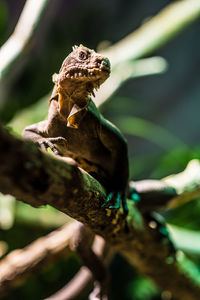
<point>38,134</point>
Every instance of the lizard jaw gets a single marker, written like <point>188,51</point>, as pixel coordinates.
<point>87,74</point>
<point>88,77</point>
<point>91,86</point>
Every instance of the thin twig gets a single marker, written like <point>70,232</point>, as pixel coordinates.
<point>186,183</point>
<point>156,32</point>
<point>153,34</point>
<point>82,281</point>
<point>24,29</point>
<point>21,263</point>
<point>15,267</point>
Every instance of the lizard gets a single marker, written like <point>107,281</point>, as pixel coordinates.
<point>76,129</point>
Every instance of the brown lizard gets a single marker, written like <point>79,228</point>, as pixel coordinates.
<point>76,129</point>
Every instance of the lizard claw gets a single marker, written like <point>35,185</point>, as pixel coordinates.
<point>46,143</point>
<point>117,198</point>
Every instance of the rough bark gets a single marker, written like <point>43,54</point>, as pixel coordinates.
<point>38,179</point>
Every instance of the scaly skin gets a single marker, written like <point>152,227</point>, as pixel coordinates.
<point>76,129</point>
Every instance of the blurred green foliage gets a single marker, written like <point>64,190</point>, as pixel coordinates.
<point>3,20</point>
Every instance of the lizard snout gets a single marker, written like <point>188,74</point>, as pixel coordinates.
<point>106,63</point>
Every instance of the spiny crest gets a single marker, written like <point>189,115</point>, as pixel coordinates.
<point>75,47</point>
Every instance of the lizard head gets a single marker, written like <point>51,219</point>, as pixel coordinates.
<point>83,67</point>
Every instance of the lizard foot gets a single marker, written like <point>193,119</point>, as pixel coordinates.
<point>117,198</point>
<point>46,143</point>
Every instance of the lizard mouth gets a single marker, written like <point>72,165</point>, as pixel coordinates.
<point>84,76</point>
<point>93,77</point>
<point>87,73</point>
<point>100,68</point>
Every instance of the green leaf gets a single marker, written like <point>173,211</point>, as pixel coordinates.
<point>184,239</point>
<point>149,131</point>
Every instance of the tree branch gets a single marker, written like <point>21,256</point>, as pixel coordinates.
<point>187,184</point>
<point>82,281</point>
<point>15,267</point>
<point>21,263</point>
<point>38,179</point>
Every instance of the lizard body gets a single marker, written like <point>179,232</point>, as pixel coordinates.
<point>76,129</point>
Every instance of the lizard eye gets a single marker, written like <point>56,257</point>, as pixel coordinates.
<point>83,55</point>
